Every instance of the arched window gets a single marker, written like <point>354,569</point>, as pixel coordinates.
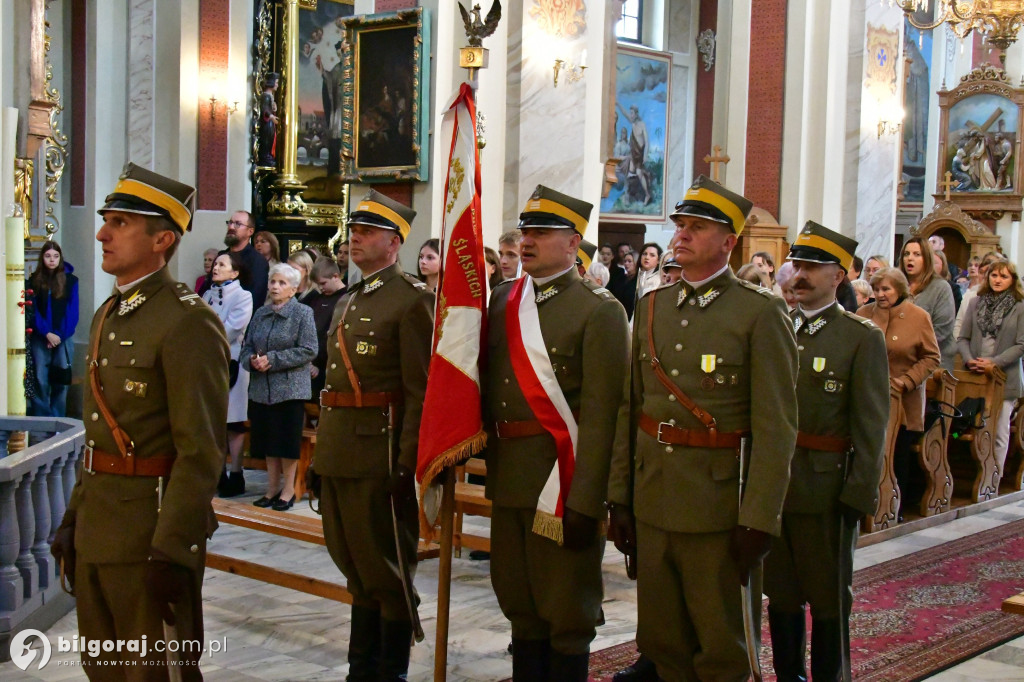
<point>629,28</point>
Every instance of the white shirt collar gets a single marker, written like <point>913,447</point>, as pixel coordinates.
<point>131,285</point>
<point>697,285</point>
<point>544,280</point>
<point>812,313</point>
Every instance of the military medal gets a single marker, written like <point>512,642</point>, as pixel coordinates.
<point>377,283</point>
<point>131,303</point>
<point>831,386</point>
<point>546,294</point>
<point>719,379</point>
<point>708,363</point>
<point>707,297</point>
<point>818,364</point>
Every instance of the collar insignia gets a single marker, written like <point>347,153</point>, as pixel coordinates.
<point>813,327</point>
<point>131,303</point>
<point>683,293</point>
<point>705,299</point>
<point>798,322</point>
<point>546,294</point>
<point>370,287</point>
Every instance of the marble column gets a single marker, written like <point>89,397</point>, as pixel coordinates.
<point>141,25</point>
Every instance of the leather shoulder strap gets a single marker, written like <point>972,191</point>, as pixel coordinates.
<point>352,376</point>
<point>124,444</point>
<point>705,418</point>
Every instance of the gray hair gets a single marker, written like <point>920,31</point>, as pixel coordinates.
<point>599,273</point>
<point>292,275</point>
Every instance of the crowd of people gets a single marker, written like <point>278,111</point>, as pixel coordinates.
<point>714,471</point>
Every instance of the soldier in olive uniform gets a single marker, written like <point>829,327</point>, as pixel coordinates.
<point>726,349</point>
<point>133,539</point>
<point>377,358</point>
<point>558,362</point>
<point>843,397</point>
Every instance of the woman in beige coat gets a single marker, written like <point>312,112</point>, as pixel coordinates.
<point>913,356</point>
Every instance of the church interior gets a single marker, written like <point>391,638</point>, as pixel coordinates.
<point>882,120</point>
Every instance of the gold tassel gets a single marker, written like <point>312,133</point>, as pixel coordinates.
<point>453,456</point>
<point>548,526</point>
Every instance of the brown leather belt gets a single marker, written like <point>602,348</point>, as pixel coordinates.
<point>523,429</point>
<point>338,399</point>
<point>98,461</point>
<point>695,438</point>
<point>824,443</point>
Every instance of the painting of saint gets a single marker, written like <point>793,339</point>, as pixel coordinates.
<point>983,134</point>
<point>385,62</point>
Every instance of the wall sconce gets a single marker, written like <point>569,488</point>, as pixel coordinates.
<point>573,72</point>
<point>228,110</point>
<point>890,120</point>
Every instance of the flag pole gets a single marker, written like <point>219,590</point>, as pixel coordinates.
<point>444,575</point>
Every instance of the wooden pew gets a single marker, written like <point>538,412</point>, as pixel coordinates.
<point>1017,446</point>
<point>933,454</point>
<point>982,440</point>
<point>888,488</point>
<point>1014,604</point>
<point>287,525</point>
<point>470,499</point>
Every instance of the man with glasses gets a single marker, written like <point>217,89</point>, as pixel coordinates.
<point>240,229</point>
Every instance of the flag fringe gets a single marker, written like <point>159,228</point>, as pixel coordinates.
<point>548,526</point>
<point>453,456</point>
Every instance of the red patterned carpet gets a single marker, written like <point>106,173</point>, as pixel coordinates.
<point>915,615</point>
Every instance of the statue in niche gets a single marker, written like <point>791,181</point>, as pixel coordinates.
<point>976,147</point>
<point>268,121</point>
<point>1004,153</point>
<point>961,172</point>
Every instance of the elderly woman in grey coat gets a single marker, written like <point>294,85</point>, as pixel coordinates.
<point>993,336</point>
<point>278,349</point>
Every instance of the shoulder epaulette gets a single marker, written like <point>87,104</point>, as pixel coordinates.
<point>502,283</point>
<point>863,320</point>
<point>597,290</point>
<point>767,293</point>
<point>414,281</point>
<point>186,295</point>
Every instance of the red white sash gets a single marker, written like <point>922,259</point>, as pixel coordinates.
<point>537,380</point>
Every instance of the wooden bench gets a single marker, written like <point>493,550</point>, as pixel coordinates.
<point>1014,604</point>
<point>934,450</point>
<point>306,448</point>
<point>470,499</point>
<point>287,525</point>
<point>1017,446</point>
<point>888,489</point>
<point>981,441</point>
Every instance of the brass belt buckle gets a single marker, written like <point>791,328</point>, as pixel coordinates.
<point>660,427</point>
<point>87,460</point>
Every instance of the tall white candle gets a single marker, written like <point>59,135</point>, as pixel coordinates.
<point>8,142</point>
<point>14,229</point>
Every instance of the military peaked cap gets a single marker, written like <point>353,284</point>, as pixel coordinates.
<point>818,244</point>
<point>548,208</point>
<point>377,210</point>
<point>709,200</point>
<point>144,192</point>
<point>585,254</point>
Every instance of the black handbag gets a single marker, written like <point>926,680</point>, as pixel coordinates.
<point>60,376</point>
<point>972,416</point>
<point>939,411</point>
<point>232,373</point>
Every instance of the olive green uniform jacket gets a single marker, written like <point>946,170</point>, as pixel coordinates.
<point>843,392</point>
<point>742,334</point>
<point>163,366</point>
<point>545,590</point>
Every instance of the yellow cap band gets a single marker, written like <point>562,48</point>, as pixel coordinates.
<point>178,212</point>
<point>380,209</point>
<point>731,210</point>
<point>579,223</point>
<point>815,242</point>
<point>585,259</point>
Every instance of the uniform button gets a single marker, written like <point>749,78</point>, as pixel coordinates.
<point>668,448</point>
<point>721,360</point>
<point>328,387</point>
<point>894,338</point>
<point>693,301</point>
<point>799,347</point>
<point>685,323</point>
<point>329,409</point>
<point>334,365</point>
<point>103,362</point>
<point>901,314</point>
<point>643,356</point>
<point>506,380</point>
<point>94,416</point>
<point>672,422</point>
<point>553,349</point>
<point>194,549</point>
<point>674,372</point>
<point>383,430</point>
<point>671,398</point>
<point>352,307</point>
<point>347,325</point>
<point>371,332</point>
<point>132,361</point>
<point>92,443</point>
<point>111,336</point>
<point>504,405</point>
<point>679,346</point>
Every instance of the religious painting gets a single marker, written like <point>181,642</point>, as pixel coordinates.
<point>916,95</point>
<point>979,138</point>
<point>321,44</point>
<point>641,106</point>
<point>384,128</point>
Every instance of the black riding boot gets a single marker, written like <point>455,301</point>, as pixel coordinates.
<point>396,641</point>
<point>642,670</point>
<point>568,667</point>
<point>788,644</point>
<point>531,659</point>
<point>364,645</point>
<point>826,652</point>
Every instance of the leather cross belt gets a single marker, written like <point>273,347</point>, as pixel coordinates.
<point>98,461</point>
<point>523,429</point>
<point>338,399</point>
<point>824,443</point>
<point>668,434</point>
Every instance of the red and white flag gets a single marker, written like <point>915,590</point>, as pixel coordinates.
<point>451,428</point>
